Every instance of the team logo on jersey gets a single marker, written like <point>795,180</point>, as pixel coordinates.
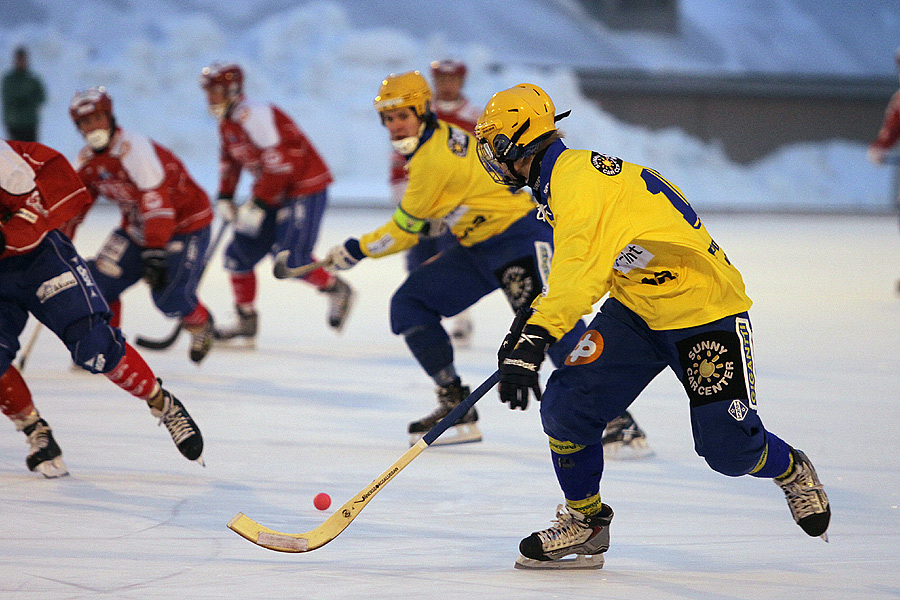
<point>587,350</point>
<point>458,142</point>
<point>608,165</point>
<point>713,367</point>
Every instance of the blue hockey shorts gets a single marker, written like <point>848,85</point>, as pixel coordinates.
<point>117,267</point>
<point>54,283</point>
<point>619,355</point>
<point>293,226</point>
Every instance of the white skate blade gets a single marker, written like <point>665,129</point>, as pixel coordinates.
<point>465,433</point>
<point>237,342</point>
<point>52,468</point>
<point>631,451</point>
<point>580,561</point>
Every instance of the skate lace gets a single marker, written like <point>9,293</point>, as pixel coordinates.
<point>39,438</point>
<point>177,424</point>
<point>566,531</point>
<point>803,494</point>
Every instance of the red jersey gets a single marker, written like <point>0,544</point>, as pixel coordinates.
<point>461,113</point>
<point>39,192</point>
<point>890,129</point>
<point>266,142</point>
<point>157,196</point>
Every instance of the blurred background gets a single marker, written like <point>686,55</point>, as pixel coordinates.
<point>747,105</point>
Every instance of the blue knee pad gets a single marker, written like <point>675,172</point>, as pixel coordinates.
<point>730,446</point>
<point>95,346</point>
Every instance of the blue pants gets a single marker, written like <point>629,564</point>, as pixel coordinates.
<point>54,283</point>
<point>292,226</point>
<point>428,247</point>
<point>117,267</point>
<point>516,261</point>
<point>620,355</point>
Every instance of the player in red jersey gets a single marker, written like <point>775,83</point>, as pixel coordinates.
<point>166,216</point>
<point>290,193</point>
<point>42,274</point>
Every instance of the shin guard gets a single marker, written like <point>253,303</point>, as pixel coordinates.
<point>134,375</point>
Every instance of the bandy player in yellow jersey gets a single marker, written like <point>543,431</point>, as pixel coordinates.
<point>675,300</point>
<point>500,243</point>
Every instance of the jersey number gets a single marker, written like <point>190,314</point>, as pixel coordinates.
<point>656,185</point>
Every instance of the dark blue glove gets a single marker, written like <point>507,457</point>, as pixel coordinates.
<point>155,269</point>
<point>520,369</point>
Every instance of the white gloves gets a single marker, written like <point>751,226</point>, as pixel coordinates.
<point>875,155</point>
<point>339,259</point>
<point>250,216</point>
<point>226,208</point>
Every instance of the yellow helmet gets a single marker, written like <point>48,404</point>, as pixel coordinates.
<point>407,89</point>
<point>513,125</point>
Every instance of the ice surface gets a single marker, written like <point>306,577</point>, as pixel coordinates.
<point>311,411</point>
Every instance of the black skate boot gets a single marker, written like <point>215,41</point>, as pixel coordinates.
<point>246,327</point>
<point>465,430</point>
<point>340,301</point>
<point>573,533</point>
<point>806,497</point>
<point>623,439</point>
<point>201,339</point>
<point>44,456</point>
<point>179,424</point>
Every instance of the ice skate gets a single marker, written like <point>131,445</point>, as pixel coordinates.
<point>806,497</point>
<point>242,333</point>
<point>624,440</point>
<point>44,456</point>
<point>340,301</point>
<point>462,330</point>
<point>179,424</point>
<point>465,430</point>
<point>573,533</point>
<point>201,339</point>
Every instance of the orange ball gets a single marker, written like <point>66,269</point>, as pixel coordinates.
<point>322,501</point>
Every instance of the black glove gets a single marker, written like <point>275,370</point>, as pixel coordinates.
<point>515,330</point>
<point>155,267</point>
<point>2,241</point>
<point>519,370</point>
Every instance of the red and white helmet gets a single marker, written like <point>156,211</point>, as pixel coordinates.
<point>448,67</point>
<point>229,75</point>
<point>89,101</point>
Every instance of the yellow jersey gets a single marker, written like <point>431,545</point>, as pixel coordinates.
<point>622,228</point>
<point>447,187</point>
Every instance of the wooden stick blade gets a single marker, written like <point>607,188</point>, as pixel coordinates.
<point>281,271</point>
<point>333,525</point>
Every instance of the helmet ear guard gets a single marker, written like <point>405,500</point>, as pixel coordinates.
<point>514,125</point>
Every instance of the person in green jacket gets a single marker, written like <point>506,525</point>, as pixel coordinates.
<point>23,94</point>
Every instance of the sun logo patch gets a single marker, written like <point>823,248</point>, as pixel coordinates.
<point>713,367</point>
<point>608,165</point>
<point>587,350</point>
